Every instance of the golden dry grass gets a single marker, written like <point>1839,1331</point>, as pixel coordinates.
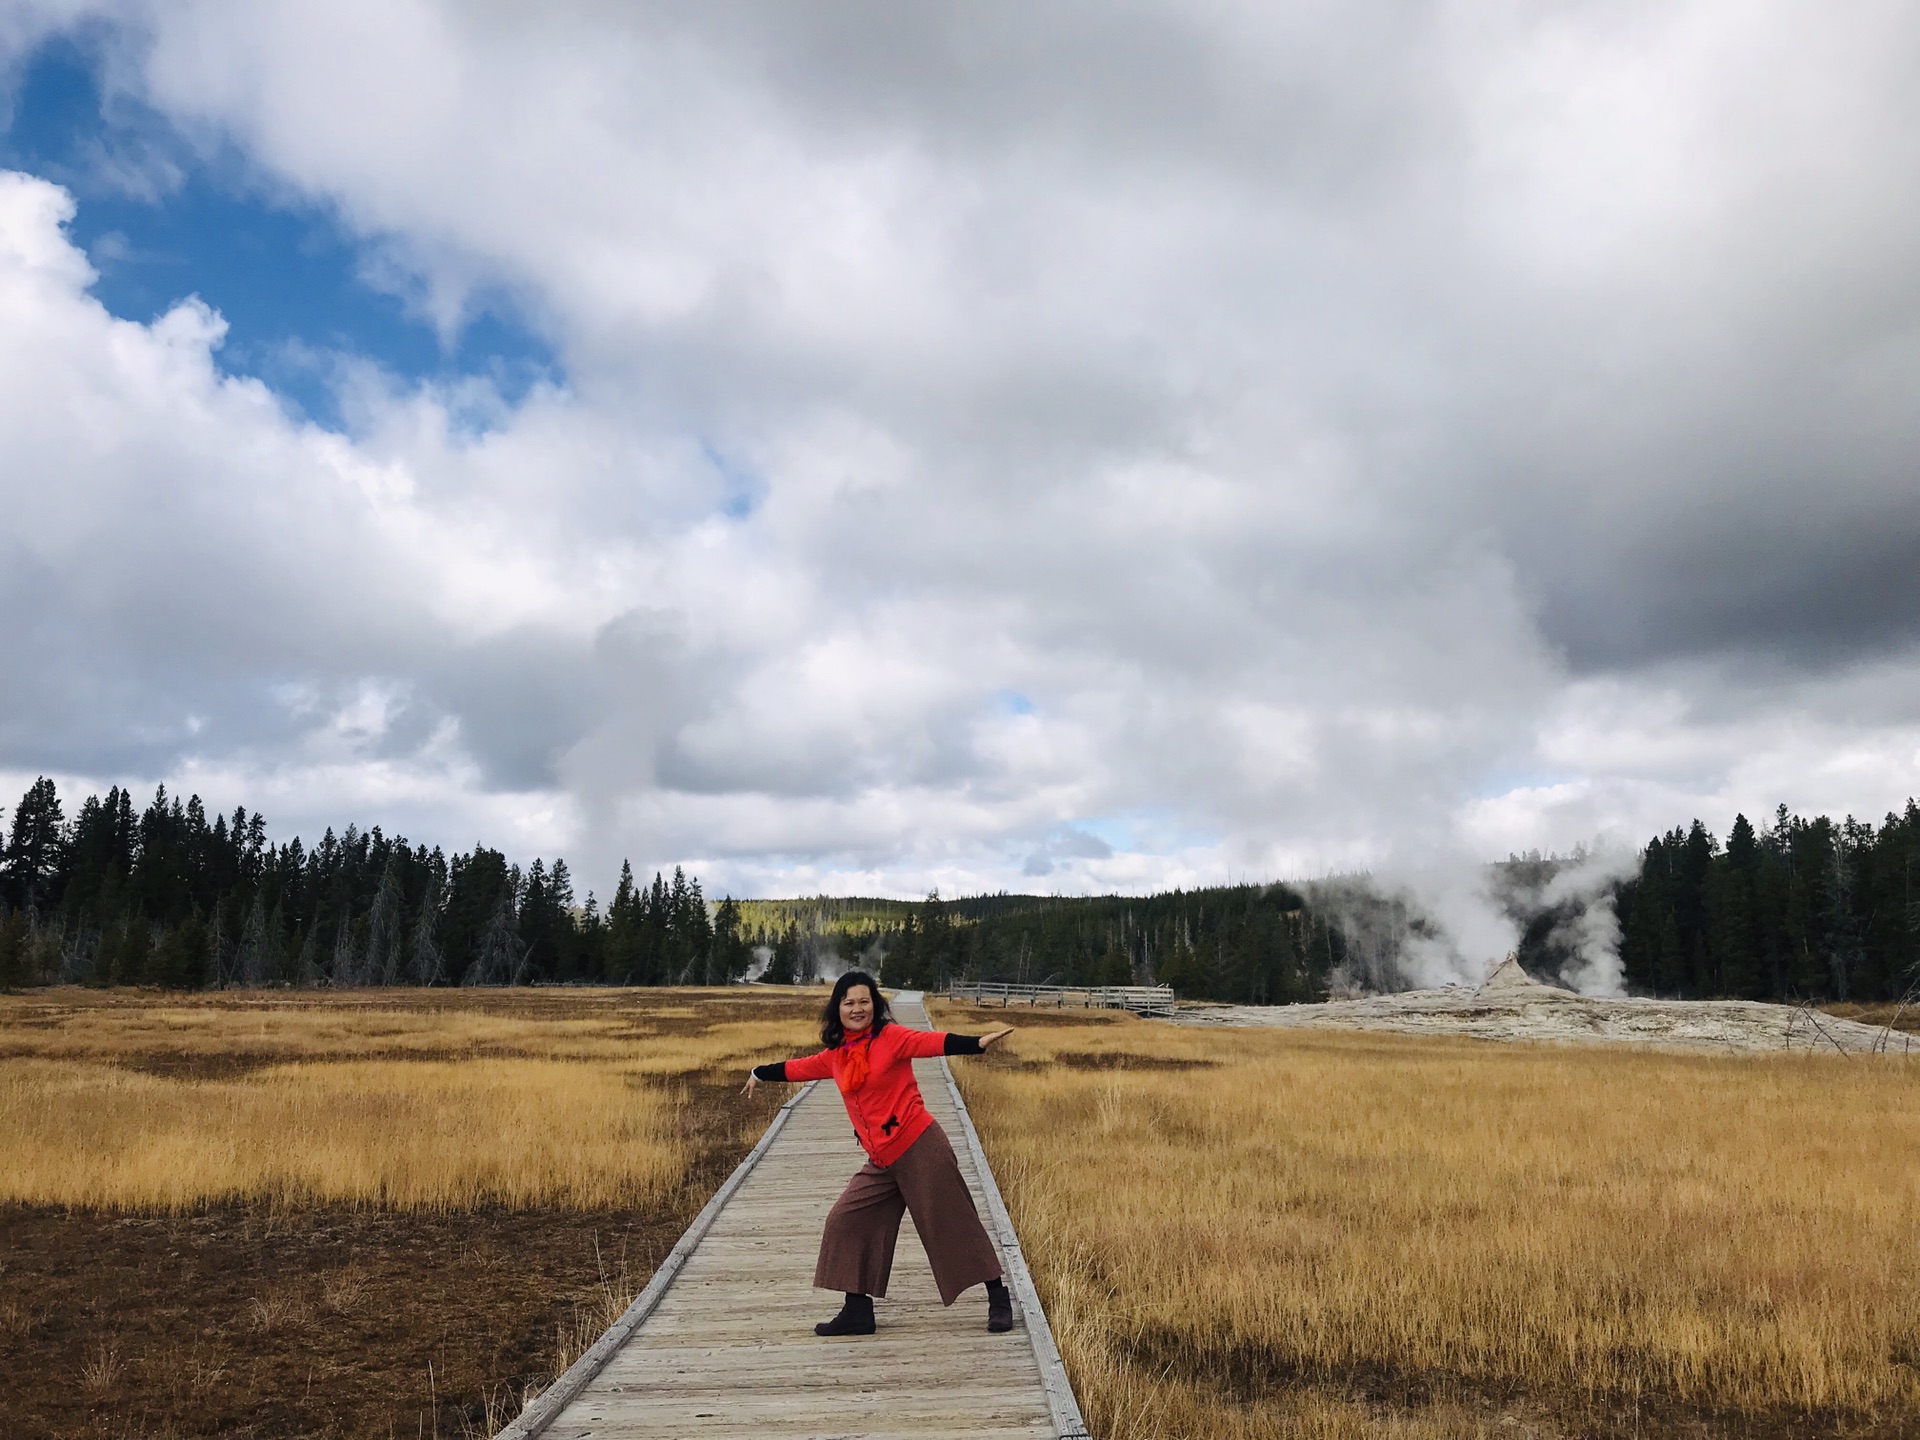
<point>1896,1016</point>
<point>1304,1233</point>
<point>407,1100</point>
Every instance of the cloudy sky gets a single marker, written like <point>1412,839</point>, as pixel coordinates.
<point>860,447</point>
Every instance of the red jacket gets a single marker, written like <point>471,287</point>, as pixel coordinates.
<point>887,1112</point>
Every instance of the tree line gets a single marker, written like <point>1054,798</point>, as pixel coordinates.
<point>162,895</point>
<point>1797,910</point>
<point>167,895</point>
<point>1254,944</point>
<point>1800,909</point>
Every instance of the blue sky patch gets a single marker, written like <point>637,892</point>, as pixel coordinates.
<point>744,489</point>
<point>162,219</point>
<point>1154,829</point>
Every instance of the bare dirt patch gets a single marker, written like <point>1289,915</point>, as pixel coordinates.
<point>1030,1017</point>
<point>1121,1060</point>
<point>239,1322</point>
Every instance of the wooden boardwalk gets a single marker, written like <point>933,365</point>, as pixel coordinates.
<point>721,1343</point>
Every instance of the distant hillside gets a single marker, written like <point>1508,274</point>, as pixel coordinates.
<point>1244,942</point>
<point>859,915</point>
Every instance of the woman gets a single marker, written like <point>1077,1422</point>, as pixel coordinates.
<point>910,1166</point>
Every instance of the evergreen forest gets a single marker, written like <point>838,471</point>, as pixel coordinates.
<point>1801,909</point>
<point>163,895</point>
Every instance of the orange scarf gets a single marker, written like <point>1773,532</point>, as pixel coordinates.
<point>853,1073</point>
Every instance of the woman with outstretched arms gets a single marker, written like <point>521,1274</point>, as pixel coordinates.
<point>910,1166</point>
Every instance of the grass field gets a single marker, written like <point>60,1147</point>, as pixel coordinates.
<point>112,1103</point>
<point>363,1213</point>
<point>386,1213</point>
<point>1900,1017</point>
<point>1314,1234</point>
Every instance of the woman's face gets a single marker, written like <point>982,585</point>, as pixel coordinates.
<point>856,1008</point>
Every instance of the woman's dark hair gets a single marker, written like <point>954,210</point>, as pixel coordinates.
<point>832,1032</point>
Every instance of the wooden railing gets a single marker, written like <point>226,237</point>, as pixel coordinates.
<point>1141,999</point>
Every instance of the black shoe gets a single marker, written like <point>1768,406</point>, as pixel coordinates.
<point>855,1318</point>
<point>999,1307</point>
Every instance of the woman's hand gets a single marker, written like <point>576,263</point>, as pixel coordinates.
<point>993,1037</point>
<point>752,1080</point>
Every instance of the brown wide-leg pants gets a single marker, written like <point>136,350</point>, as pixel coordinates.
<point>856,1252</point>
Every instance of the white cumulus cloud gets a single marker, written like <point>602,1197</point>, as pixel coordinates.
<point>1357,436</point>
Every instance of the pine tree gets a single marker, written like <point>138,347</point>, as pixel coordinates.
<point>678,955</point>
<point>250,964</point>
<point>35,850</point>
<point>924,954</point>
<point>1910,893</point>
<point>476,884</point>
<point>1838,918</point>
<point>1730,903</point>
<point>345,970</point>
<point>181,958</point>
<point>500,957</point>
<point>906,964</point>
<point>692,931</point>
<point>425,964</point>
<point>731,955</point>
<point>307,971</point>
<point>591,947</point>
<point>784,969</point>
<point>15,940</point>
<point>656,934</point>
<point>134,965</point>
<point>537,923</point>
<point>564,928</point>
<point>381,961</point>
<point>622,940</point>
<point>89,858</point>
